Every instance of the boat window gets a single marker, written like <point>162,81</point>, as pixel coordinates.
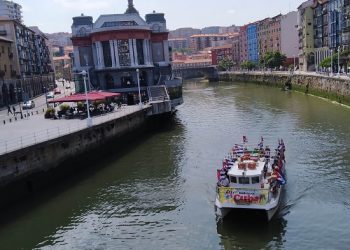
<point>243,180</point>
<point>255,180</point>
<point>233,179</point>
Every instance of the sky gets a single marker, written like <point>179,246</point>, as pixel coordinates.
<point>56,15</point>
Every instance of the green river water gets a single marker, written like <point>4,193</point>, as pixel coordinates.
<point>160,193</point>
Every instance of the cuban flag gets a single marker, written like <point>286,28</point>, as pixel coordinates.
<point>261,144</point>
<point>281,180</point>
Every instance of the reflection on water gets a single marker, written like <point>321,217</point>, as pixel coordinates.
<point>159,191</point>
<point>250,233</point>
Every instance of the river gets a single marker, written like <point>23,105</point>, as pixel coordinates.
<point>159,194</point>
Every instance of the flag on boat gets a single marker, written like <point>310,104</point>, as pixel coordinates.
<point>245,139</point>
<point>281,180</point>
<point>261,143</point>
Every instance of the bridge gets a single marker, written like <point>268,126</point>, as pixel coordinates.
<point>208,72</point>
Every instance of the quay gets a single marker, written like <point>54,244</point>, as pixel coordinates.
<point>335,88</point>
<point>37,147</point>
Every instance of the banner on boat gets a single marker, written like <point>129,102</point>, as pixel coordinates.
<point>240,196</point>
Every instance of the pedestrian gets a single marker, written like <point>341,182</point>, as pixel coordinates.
<point>14,110</point>
<point>9,110</point>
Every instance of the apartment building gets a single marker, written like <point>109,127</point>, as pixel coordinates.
<point>10,10</point>
<point>202,41</point>
<point>346,24</point>
<point>321,43</point>
<point>243,41</point>
<point>221,52</point>
<point>289,35</point>
<point>31,70</point>
<point>305,28</point>
<point>252,40</point>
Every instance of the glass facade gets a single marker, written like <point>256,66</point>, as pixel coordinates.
<point>252,34</point>
<point>124,52</point>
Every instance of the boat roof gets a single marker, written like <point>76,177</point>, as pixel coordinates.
<point>234,171</point>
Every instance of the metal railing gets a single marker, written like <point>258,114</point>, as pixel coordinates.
<point>40,136</point>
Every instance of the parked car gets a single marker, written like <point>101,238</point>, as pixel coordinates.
<point>28,105</point>
<point>50,94</point>
<point>57,91</point>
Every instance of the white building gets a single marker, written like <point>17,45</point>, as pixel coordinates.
<point>289,35</point>
<point>10,10</point>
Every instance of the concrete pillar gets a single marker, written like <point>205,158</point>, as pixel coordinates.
<point>146,52</point>
<point>76,57</point>
<point>131,51</point>
<point>116,54</point>
<point>135,51</point>
<point>100,51</point>
<point>149,50</point>
<point>94,54</point>
<point>111,46</point>
<point>166,51</point>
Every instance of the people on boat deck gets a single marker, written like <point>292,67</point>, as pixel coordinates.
<point>224,182</point>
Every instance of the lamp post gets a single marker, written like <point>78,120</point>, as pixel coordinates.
<point>138,85</point>
<point>293,63</point>
<point>338,61</point>
<point>89,120</point>
<point>331,62</point>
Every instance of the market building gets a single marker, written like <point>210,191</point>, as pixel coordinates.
<point>118,50</point>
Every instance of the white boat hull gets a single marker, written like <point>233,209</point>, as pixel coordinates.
<point>269,209</point>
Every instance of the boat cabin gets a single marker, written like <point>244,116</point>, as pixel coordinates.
<point>246,173</point>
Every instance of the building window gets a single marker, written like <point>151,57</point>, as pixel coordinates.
<point>107,54</point>
<point>158,52</point>
<point>124,52</point>
<point>140,53</point>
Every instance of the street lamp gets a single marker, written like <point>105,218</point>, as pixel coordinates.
<point>331,62</point>
<point>89,120</point>
<point>293,63</point>
<point>338,61</point>
<point>138,84</point>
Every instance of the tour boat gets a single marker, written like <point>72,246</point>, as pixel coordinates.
<point>251,178</point>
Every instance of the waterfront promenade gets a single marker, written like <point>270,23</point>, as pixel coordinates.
<point>36,129</point>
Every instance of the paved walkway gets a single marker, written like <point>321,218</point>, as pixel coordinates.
<point>36,128</point>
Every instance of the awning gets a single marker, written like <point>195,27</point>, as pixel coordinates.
<point>91,96</point>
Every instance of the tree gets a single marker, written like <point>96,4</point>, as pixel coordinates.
<point>273,59</point>
<point>248,65</point>
<point>326,63</point>
<point>225,63</point>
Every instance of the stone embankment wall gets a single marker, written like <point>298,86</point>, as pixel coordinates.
<point>46,156</point>
<point>333,88</point>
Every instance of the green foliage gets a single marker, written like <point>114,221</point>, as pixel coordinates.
<point>248,65</point>
<point>80,105</point>
<point>272,59</point>
<point>50,112</point>
<point>326,63</point>
<point>225,63</point>
<point>64,107</point>
<point>96,103</point>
